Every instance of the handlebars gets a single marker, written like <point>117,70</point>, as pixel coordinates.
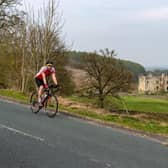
<point>53,86</point>
<point>58,87</point>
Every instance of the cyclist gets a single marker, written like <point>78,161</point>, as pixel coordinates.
<point>41,78</point>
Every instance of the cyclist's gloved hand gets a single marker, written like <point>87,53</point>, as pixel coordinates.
<point>57,85</point>
<point>46,86</point>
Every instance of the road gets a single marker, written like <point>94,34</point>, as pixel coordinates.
<point>30,140</point>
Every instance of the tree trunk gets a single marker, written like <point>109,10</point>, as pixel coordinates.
<point>101,101</point>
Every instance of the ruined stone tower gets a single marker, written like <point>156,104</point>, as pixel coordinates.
<point>153,83</point>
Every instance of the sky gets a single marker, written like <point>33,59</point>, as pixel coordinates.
<point>136,29</point>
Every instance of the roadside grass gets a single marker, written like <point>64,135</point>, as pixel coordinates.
<point>14,95</point>
<point>125,121</point>
<point>146,124</point>
<point>152,119</point>
<point>83,99</point>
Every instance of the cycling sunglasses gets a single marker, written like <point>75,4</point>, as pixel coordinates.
<point>50,65</point>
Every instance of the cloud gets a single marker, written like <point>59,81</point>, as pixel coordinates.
<point>157,14</point>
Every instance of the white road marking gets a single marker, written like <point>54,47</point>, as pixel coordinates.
<point>21,132</point>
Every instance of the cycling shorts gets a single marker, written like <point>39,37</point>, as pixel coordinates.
<point>39,82</point>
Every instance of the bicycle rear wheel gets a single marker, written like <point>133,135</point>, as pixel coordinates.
<point>51,106</point>
<point>34,105</point>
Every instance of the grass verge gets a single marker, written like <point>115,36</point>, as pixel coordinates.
<point>14,95</point>
<point>127,121</point>
<point>149,125</point>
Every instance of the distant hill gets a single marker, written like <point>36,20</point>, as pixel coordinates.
<point>157,68</point>
<point>133,67</point>
<point>75,61</point>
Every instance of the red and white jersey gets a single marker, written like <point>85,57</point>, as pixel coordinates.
<point>46,70</point>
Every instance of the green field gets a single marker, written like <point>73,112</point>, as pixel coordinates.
<point>144,104</point>
<point>133,103</point>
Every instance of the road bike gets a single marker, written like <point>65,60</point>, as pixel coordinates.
<point>49,101</point>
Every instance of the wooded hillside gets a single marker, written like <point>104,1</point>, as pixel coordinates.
<point>75,61</point>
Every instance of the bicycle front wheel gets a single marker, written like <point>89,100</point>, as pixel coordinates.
<point>51,106</point>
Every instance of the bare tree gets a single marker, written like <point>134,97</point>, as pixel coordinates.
<point>45,30</point>
<point>106,75</point>
<point>9,16</point>
<point>44,36</point>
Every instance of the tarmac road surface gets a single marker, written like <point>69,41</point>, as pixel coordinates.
<point>30,140</point>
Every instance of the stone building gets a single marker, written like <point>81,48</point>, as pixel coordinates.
<point>153,83</point>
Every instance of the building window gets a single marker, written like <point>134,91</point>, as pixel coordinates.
<point>157,82</point>
<point>157,88</point>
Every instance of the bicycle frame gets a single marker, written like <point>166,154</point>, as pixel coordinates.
<point>49,93</point>
<point>46,102</point>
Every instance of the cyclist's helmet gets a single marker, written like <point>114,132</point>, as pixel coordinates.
<point>49,63</point>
